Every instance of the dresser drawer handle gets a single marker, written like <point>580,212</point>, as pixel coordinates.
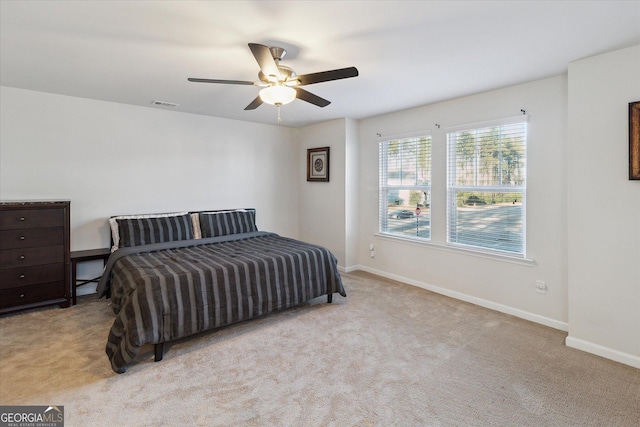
<point>22,276</point>
<point>21,218</point>
<point>22,257</point>
<point>21,295</point>
<point>21,237</point>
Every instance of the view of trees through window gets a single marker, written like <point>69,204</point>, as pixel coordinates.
<point>486,187</point>
<point>405,187</point>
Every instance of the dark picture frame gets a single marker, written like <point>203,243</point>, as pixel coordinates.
<point>634,140</point>
<point>318,164</point>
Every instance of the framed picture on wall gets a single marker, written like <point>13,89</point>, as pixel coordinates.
<point>318,164</point>
<point>634,140</point>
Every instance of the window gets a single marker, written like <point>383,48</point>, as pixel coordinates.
<point>405,187</point>
<point>486,187</point>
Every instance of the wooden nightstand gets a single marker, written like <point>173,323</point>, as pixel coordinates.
<point>84,256</point>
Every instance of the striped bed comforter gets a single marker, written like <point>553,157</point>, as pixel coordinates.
<point>167,291</point>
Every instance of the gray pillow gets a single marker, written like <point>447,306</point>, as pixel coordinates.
<point>214,224</point>
<point>145,231</point>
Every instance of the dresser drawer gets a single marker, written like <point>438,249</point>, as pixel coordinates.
<point>34,254</point>
<point>31,294</point>
<point>31,218</point>
<point>29,238</point>
<point>15,277</point>
<point>13,258</point>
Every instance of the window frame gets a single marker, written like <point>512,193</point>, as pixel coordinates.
<point>384,187</point>
<point>452,188</point>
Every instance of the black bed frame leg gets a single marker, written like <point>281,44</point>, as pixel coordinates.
<point>158,350</point>
<point>329,298</point>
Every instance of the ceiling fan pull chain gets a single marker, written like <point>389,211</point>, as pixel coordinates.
<point>279,118</point>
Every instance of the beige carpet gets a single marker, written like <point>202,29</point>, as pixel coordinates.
<point>387,355</point>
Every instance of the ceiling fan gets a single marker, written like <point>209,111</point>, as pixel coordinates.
<point>281,84</point>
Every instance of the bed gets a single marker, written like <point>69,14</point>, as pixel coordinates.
<point>170,276</point>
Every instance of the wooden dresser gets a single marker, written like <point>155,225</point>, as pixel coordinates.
<point>34,254</point>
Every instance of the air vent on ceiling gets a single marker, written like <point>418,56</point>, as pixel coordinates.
<point>165,104</point>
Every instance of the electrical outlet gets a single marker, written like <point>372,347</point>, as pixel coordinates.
<point>541,287</point>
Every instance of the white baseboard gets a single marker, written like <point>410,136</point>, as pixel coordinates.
<point>349,269</point>
<point>546,321</point>
<point>598,350</point>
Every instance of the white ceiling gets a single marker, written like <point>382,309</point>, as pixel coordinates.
<point>408,53</point>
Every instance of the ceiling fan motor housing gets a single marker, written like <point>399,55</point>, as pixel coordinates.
<point>286,74</point>
<point>278,53</point>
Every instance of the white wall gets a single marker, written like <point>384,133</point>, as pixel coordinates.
<point>352,194</point>
<point>603,208</point>
<point>500,285</point>
<point>111,159</point>
<point>329,210</point>
<point>322,204</point>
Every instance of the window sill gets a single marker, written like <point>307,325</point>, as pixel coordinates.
<point>454,249</point>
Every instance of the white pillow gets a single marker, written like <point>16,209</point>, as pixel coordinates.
<point>195,222</point>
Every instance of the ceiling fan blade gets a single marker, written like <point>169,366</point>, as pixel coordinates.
<point>254,104</point>
<point>325,76</point>
<point>311,98</point>
<point>229,82</point>
<point>265,60</point>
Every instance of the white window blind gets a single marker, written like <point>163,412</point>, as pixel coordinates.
<point>486,187</point>
<point>405,187</point>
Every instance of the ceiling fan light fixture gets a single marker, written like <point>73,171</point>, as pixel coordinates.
<point>278,95</point>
